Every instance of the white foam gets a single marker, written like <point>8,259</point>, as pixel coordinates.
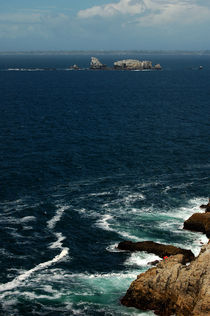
<point>58,243</point>
<point>141,259</point>
<point>23,277</point>
<point>55,245</point>
<point>103,222</point>
<point>192,206</point>
<point>128,236</point>
<point>133,197</point>
<point>56,218</point>
<point>100,194</point>
<point>27,219</point>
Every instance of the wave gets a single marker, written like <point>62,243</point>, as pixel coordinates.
<point>19,279</point>
<point>55,245</point>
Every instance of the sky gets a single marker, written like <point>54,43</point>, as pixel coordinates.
<point>104,25</point>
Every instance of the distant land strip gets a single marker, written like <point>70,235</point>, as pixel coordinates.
<point>107,52</point>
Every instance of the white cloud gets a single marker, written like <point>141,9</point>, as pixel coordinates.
<point>131,7</point>
<point>151,12</point>
<point>183,12</point>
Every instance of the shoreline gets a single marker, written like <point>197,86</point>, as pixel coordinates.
<point>174,286</point>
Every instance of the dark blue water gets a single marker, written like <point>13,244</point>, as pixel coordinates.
<point>88,159</point>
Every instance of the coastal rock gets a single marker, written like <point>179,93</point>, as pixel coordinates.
<point>156,248</point>
<point>132,64</point>
<point>199,222</point>
<point>206,206</point>
<point>172,288</point>
<point>96,64</point>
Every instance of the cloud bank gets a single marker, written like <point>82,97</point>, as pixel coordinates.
<point>151,12</point>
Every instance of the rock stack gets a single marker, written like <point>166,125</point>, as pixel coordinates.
<point>96,64</point>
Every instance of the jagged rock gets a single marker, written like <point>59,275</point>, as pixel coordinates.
<point>206,206</point>
<point>172,288</point>
<point>132,64</point>
<point>153,263</point>
<point>156,248</point>
<point>158,67</point>
<point>96,64</point>
<point>74,67</point>
<point>199,222</point>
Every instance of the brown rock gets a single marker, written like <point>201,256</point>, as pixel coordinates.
<point>172,288</point>
<point>199,222</point>
<point>206,206</point>
<point>156,248</point>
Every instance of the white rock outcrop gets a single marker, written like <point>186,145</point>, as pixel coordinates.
<point>133,64</point>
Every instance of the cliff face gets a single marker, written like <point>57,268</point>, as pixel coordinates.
<point>174,288</point>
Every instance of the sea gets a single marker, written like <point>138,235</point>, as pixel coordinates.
<point>89,159</point>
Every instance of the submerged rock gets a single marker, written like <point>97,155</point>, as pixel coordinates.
<point>156,248</point>
<point>172,288</point>
<point>96,64</point>
<point>199,222</point>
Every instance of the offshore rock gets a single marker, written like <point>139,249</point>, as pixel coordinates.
<point>172,288</point>
<point>156,248</point>
<point>96,64</point>
<point>132,64</point>
<point>158,67</point>
<point>74,67</point>
<point>199,222</point>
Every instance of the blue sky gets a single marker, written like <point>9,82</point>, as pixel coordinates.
<point>104,24</point>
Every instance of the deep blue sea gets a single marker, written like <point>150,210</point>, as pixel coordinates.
<point>91,158</point>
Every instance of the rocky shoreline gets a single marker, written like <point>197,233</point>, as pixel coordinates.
<point>179,284</point>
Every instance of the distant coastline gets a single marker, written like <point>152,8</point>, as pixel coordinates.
<point>107,52</point>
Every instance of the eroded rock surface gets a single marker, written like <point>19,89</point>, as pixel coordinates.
<point>172,288</point>
<point>156,248</point>
<point>133,64</point>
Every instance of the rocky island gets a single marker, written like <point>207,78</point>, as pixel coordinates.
<point>179,284</point>
<point>125,64</point>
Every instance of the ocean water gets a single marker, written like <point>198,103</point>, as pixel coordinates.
<point>91,158</point>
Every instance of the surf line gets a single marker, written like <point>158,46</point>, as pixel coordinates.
<point>56,245</point>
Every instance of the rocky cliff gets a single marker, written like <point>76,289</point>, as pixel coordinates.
<point>173,288</point>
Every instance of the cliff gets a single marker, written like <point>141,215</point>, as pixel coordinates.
<point>172,288</point>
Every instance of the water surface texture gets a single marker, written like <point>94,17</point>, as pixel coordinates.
<point>88,159</point>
